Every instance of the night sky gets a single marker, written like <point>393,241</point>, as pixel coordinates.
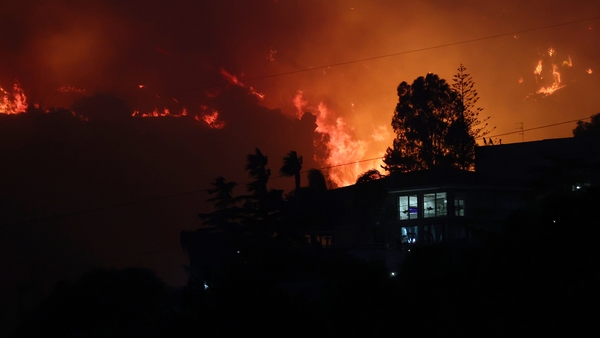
<point>258,65</point>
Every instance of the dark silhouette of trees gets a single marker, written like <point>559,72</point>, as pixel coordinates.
<point>467,98</point>
<point>435,124</point>
<point>226,211</point>
<point>292,165</point>
<point>588,130</point>
<point>256,165</point>
<point>116,303</point>
<point>316,180</point>
<point>369,175</point>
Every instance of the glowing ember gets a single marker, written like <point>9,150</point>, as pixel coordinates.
<point>568,63</point>
<point>589,71</point>
<point>157,113</point>
<point>14,102</point>
<point>538,68</point>
<point>212,120</point>
<point>69,88</point>
<point>234,80</point>
<point>551,51</point>
<point>141,86</point>
<point>520,79</point>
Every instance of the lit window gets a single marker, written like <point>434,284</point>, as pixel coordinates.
<point>459,204</point>
<point>434,204</point>
<point>407,207</point>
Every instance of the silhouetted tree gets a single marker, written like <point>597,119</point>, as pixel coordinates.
<point>256,165</point>
<point>316,180</point>
<point>467,98</point>
<point>226,212</point>
<point>262,206</point>
<point>116,303</point>
<point>431,127</point>
<point>292,165</point>
<point>588,130</point>
<point>369,175</point>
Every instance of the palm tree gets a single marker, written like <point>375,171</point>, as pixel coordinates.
<point>256,165</point>
<point>292,165</point>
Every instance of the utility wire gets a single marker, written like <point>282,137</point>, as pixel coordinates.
<point>411,51</point>
<point>100,209</point>
<point>197,191</point>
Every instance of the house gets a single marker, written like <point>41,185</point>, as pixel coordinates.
<point>454,206</point>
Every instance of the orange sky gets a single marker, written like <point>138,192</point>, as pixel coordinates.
<point>180,50</point>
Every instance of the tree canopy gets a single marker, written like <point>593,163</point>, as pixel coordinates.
<point>589,130</point>
<point>435,124</point>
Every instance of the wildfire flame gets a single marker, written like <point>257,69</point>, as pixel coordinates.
<point>212,120</point>
<point>69,88</point>
<point>345,159</point>
<point>157,113</point>
<point>538,68</point>
<point>234,80</point>
<point>14,102</point>
<point>556,85</point>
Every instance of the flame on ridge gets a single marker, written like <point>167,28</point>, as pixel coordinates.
<point>157,113</point>
<point>212,120</point>
<point>14,102</point>
<point>234,80</point>
<point>69,88</point>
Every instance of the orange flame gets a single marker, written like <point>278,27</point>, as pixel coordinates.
<point>300,104</point>
<point>212,120</point>
<point>69,88</point>
<point>234,80</point>
<point>556,85</point>
<point>538,68</point>
<point>157,113</point>
<point>13,103</point>
<point>589,71</point>
<point>345,159</point>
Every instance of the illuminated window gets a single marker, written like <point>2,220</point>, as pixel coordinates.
<point>434,204</point>
<point>407,207</point>
<point>459,204</point>
<point>409,235</point>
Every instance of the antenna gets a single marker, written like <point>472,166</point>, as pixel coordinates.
<point>522,131</point>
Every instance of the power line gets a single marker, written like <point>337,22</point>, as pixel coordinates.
<point>540,127</point>
<point>100,209</point>
<point>343,63</point>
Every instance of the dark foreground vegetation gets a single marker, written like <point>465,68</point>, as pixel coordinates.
<point>540,278</point>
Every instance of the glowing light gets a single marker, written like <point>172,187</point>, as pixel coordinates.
<point>69,88</point>
<point>234,80</point>
<point>344,152</point>
<point>538,68</point>
<point>212,120</point>
<point>589,71</point>
<point>520,79</point>
<point>300,104</point>
<point>556,84</point>
<point>141,86</point>
<point>380,134</point>
<point>14,102</point>
<point>156,113</point>
<point>551,51</point>
<point>568,63</point>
